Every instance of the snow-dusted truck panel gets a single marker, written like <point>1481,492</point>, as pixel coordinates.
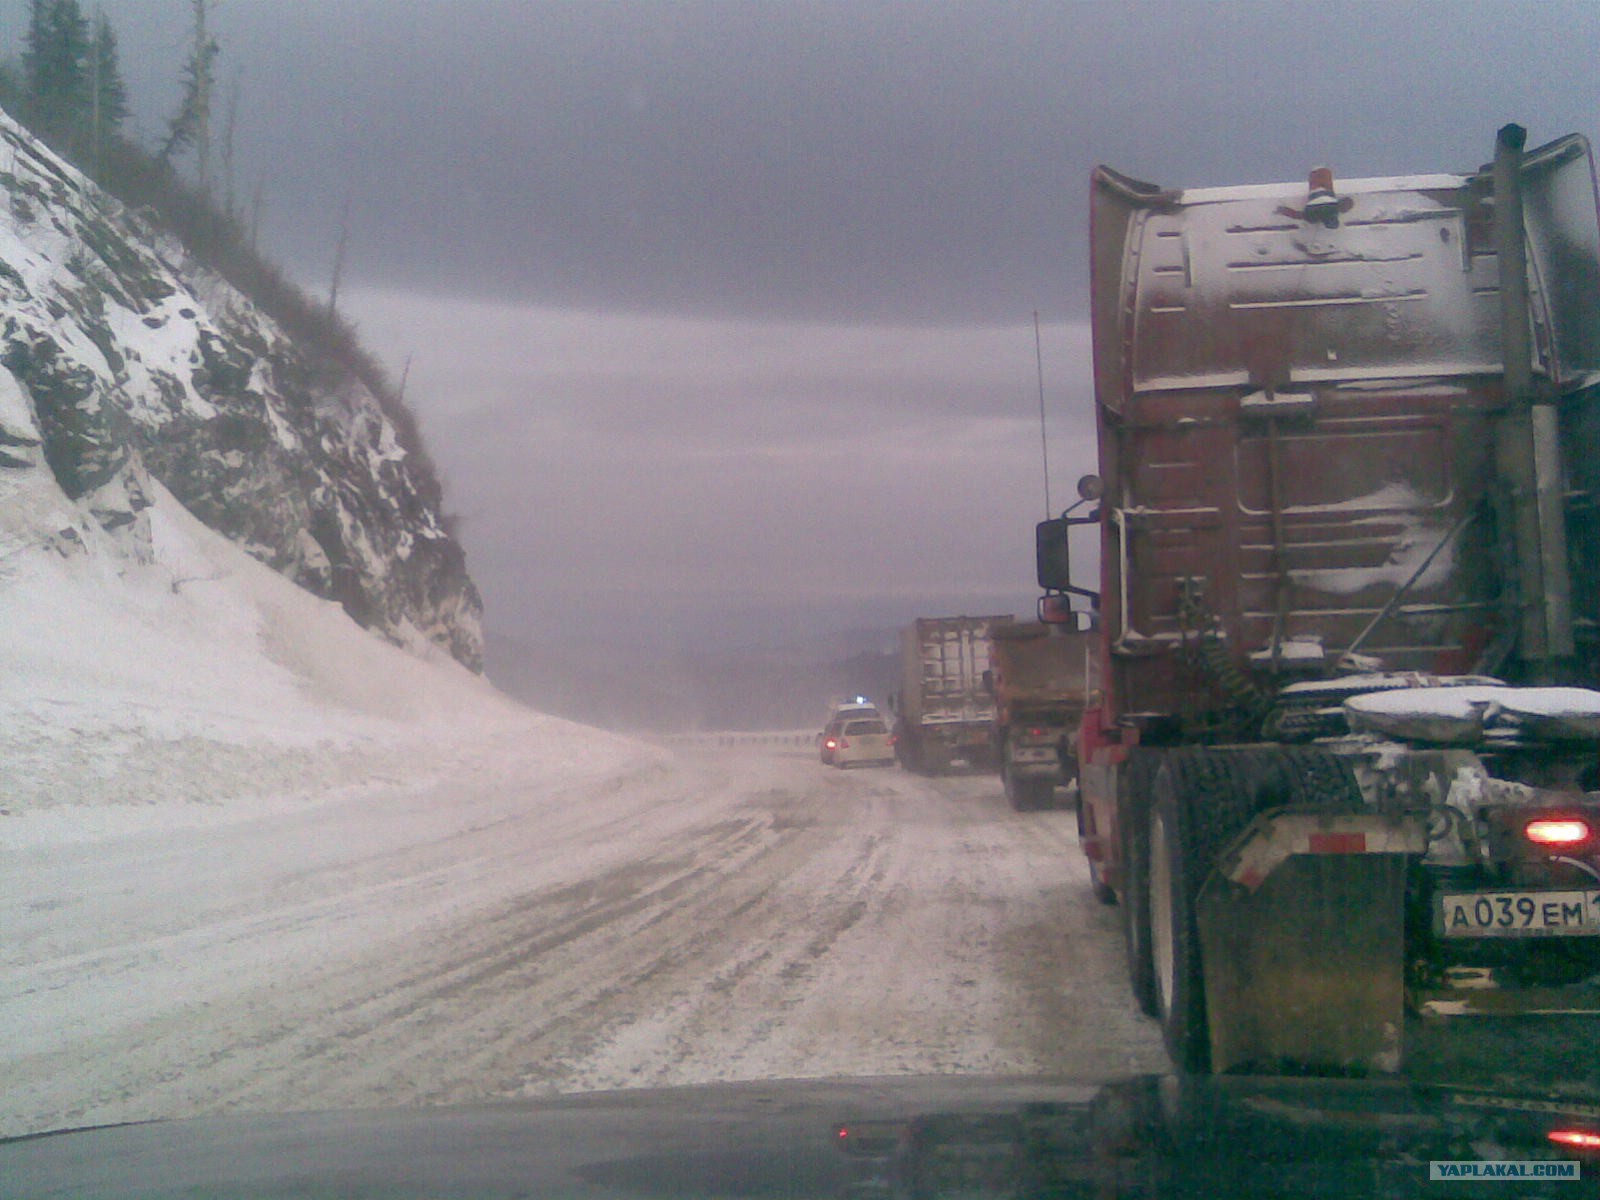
<point>1300,420</point>
<point>944,710</point>
<point>1347,495</point>
<point>1042,679</point>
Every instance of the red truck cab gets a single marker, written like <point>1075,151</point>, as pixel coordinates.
<point>1346,434</point>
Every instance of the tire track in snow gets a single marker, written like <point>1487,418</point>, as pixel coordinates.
<point>228,1037</point>
<point>733,915</point>
<point>891,950</point>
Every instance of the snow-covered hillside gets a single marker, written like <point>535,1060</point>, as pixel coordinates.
<point>123,360</point>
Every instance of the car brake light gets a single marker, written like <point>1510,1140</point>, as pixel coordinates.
<point>1578,1139</point>
<point>1556,831</point>
<point>844,743</point>
<point>831,744</point>
<point>1035,732</point>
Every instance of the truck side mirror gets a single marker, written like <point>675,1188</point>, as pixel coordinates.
<point>1052,555</point>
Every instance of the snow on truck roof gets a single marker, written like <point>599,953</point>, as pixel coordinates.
<point>1552,155</point>
<point>1393,278</point>
<point>1462,712</point>
<point>1344,187</point>
<point>1452,701</point>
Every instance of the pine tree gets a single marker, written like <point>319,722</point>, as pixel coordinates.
<point>55,62</point>
<point>36,46</point>
<point>109,96</point>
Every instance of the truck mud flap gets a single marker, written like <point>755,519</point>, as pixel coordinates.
<point>1307,971</point>
<point>1304,952</point>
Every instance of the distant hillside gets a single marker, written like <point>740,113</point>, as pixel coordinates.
<point>743,689</point>
<point>788,690</point>
<point>656,700</point>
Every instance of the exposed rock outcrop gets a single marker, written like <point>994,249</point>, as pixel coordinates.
<point>122,356</point>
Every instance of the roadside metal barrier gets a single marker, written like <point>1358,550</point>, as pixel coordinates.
<point>779,737</point>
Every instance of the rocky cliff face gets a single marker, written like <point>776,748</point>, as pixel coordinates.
<point>123,360</point>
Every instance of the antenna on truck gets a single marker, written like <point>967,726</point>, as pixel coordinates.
<point>1044,442</point>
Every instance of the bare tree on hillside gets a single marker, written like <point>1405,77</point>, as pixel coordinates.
<point>230,122</point>
<point>190,127</point>
<point>338,256</point>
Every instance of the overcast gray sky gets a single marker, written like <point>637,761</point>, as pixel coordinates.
<point>718,306</point>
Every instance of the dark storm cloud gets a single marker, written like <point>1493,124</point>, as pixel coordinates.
<point>732,159</point>
<point>912,161</point>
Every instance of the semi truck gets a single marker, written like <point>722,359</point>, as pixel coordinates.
<point>1042,678</point>
<point>1343,774</point>
<point>943,711</point>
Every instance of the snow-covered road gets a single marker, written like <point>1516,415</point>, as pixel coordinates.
<point>482,930</point>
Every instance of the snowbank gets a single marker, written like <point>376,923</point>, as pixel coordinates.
<point>203,687</point>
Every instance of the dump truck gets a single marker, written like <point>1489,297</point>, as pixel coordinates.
<point>1041,679</point>
<point>944,712</point>
<point>1343,769</point>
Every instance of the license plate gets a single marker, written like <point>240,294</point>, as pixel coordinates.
<point>1519,914</point>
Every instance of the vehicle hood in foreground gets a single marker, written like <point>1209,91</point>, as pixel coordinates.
<point>914,1137</point>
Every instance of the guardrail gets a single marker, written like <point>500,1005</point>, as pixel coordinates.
<point>780,737</point>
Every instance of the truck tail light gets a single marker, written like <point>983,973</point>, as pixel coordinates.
<point>1576,1139</point>
<point>1544,833</point>
<point>1556,832</point>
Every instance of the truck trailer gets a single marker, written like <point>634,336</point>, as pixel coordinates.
<point>1343,769</point>
<point>944,711</point>
<point>1042,679</point>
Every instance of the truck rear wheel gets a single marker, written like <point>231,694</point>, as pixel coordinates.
<point>1178,988</point>
<point>1133,835</point>
<point>1026,793</point>
<point>908,751</point>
